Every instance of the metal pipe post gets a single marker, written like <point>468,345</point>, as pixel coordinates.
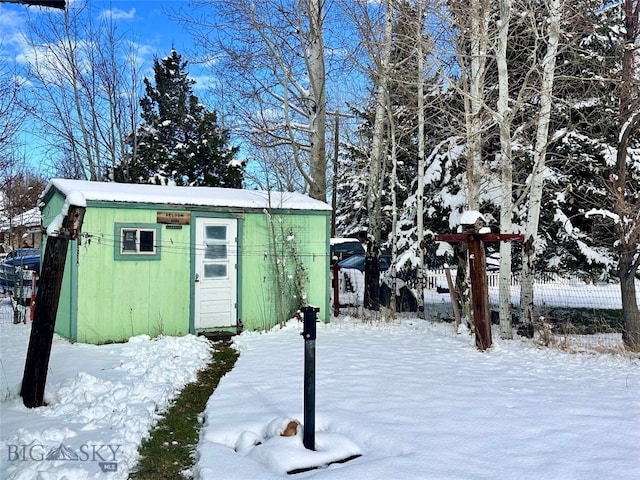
<point>309,334</point>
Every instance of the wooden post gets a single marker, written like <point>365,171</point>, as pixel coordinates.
<point>46,308</point>
<point>336,289</point>
<point>478,273</point>
<point>452,295</point>
<point>479,292</point>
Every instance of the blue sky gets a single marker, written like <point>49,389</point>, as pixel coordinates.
<point>149,21</point>
<point>153,28</point>
<point>146,22</point>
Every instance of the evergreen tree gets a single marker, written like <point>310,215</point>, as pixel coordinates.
<point>580,159</point>
<point>179,141</point>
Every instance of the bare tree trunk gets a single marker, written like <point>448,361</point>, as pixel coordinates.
<point>539,160</point>
<point>120,84</point>
<point>334,183</point>
<point>504,117</point>
<point>626,206</point>
<point>421,162</point>
<point>630,312</point>
<point>378,153</point>
<point>479,40</point>
<point>394,215</point>
<point>472,17</point>
<point>318,112</point>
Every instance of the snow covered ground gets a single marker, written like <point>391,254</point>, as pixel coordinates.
<point>414,399</point>
<point>102,400</point>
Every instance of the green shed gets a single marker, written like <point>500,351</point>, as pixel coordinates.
<point>175,260</point>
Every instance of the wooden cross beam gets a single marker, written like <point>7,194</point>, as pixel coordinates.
<point>478,273</point>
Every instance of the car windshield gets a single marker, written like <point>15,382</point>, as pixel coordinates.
<point>384,262</point>
<point>355,261</point>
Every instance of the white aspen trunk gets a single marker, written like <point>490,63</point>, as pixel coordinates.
<point>77,105</point>
<point>421,166</point>
<point>506,173</point>
<point>539,157</point>
<point>318,113</point>
<point>378,147</point>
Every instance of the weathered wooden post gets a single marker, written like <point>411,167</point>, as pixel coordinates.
<point>309,334</point>
<point>372,277</point>
<point>475,234</point>
<point>479,290</point>
<point>65,227</point>
<point>452,294</point>
<point>336,289</point>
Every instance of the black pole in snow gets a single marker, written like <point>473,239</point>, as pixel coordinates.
<point>309,334</point>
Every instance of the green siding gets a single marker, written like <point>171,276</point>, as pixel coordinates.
<point>105,299</point>
<point>118,299</point>
<point>273,248</point>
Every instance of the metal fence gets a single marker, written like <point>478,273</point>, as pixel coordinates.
<point>569,312</point>
<point>17,313</point>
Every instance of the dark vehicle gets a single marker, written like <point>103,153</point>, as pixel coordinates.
<point>18,267</point>
<point>352,284</point>
<point>342,248</point>
<point>357,262</point>
<point>27,258</point>
<point>351,278</point>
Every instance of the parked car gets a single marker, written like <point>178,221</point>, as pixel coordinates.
<point>17,270</point>
<point>342,248</point>
<point>28,258</point>
<point>351,277</point>
<point>351,284</point>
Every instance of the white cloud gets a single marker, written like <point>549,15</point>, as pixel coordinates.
<point>118,14</point>
<point>204,82</point>
<point>11,25</point>
<point>9,18</point>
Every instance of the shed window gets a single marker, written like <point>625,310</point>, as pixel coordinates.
<point>137,241</point>
<point>215,254</point>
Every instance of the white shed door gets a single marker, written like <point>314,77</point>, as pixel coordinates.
<point>215,273</point>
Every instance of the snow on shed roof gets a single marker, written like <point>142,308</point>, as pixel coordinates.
<point>172,195</point>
